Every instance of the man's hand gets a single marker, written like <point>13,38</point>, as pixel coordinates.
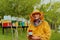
<point>35,37</point>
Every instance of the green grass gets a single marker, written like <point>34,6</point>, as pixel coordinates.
<point>22,36</point>
<point>55,36</point>
<point>8,36</point>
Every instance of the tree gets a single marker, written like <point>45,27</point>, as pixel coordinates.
<point>17,7</point>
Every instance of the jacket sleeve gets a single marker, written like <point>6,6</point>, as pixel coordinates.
<point>47,32</point>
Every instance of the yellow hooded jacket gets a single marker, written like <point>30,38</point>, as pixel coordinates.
<point>43,30</point>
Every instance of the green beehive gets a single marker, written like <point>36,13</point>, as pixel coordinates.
<point>19,23</point>
<point>13,21</point>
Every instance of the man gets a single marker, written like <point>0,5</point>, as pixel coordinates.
<point>38,29</point>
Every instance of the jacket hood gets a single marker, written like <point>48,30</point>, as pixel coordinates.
<point>35,12</point>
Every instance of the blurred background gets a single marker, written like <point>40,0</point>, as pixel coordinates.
<point>14,17</point>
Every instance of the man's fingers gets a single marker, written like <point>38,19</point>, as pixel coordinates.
<point>35,37</point>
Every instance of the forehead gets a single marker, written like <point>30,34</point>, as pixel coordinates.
<point>36,13</point>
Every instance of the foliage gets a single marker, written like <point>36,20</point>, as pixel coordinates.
<point>16,7</point>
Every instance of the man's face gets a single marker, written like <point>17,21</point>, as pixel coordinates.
<point>36,16</point>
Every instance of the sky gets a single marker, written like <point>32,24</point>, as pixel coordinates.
<point>47,1</point>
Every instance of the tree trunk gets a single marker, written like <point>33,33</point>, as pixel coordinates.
<point>56,28</point>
